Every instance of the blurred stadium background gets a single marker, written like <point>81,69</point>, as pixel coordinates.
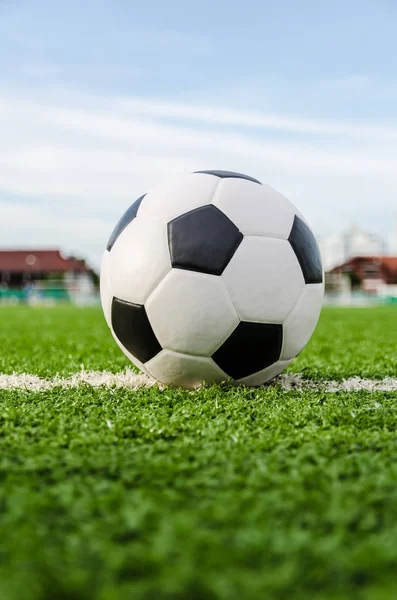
<point>360,271</point>
<point>99,102</point>
<point>46,277</point>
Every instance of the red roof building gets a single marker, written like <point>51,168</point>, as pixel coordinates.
<point>19,266</point>
<point>370,272</point>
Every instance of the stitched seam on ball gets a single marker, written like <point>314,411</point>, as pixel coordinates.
<point>215,192</point>
<point>295,305</point>
<point>264,235</point>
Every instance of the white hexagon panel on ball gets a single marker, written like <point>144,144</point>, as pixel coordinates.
<point>264,211</point>
<point>212,277</point>
<point>301,323</point>
<point>184,370</point>
<point>173,199</point>
<point>139,260</point>
<point>191,312</point>
<point>264,279</point>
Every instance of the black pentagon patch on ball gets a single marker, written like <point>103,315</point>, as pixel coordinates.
<point>307,251</point>
<point>203,240</point>
<point>132,328</point>
<point>250,348</point>
<point>229,174</point>
<point>125,220</point>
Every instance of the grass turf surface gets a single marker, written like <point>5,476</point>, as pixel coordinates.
<point>220,493</point>
<point>41,341</point>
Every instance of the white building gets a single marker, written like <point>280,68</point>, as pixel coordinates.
<point>337,248</point>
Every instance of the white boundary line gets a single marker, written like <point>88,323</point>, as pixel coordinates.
<point>125,379</point>
<point>129,380</point>
<point>293,381</point>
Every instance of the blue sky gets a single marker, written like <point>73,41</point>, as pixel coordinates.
<point>99,101</point>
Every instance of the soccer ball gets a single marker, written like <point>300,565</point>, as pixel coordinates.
<point>212,277</point>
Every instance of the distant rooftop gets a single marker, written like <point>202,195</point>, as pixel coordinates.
<point>373,268</point>
<point>39,261</point>
<point>389,262</point>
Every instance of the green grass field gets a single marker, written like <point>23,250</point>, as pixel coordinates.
<point>223,493</point>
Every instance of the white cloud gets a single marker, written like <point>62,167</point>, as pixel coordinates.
<point>259,120</point>
<point>86,158</point>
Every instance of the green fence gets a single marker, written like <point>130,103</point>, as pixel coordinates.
<point>34,296</point>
